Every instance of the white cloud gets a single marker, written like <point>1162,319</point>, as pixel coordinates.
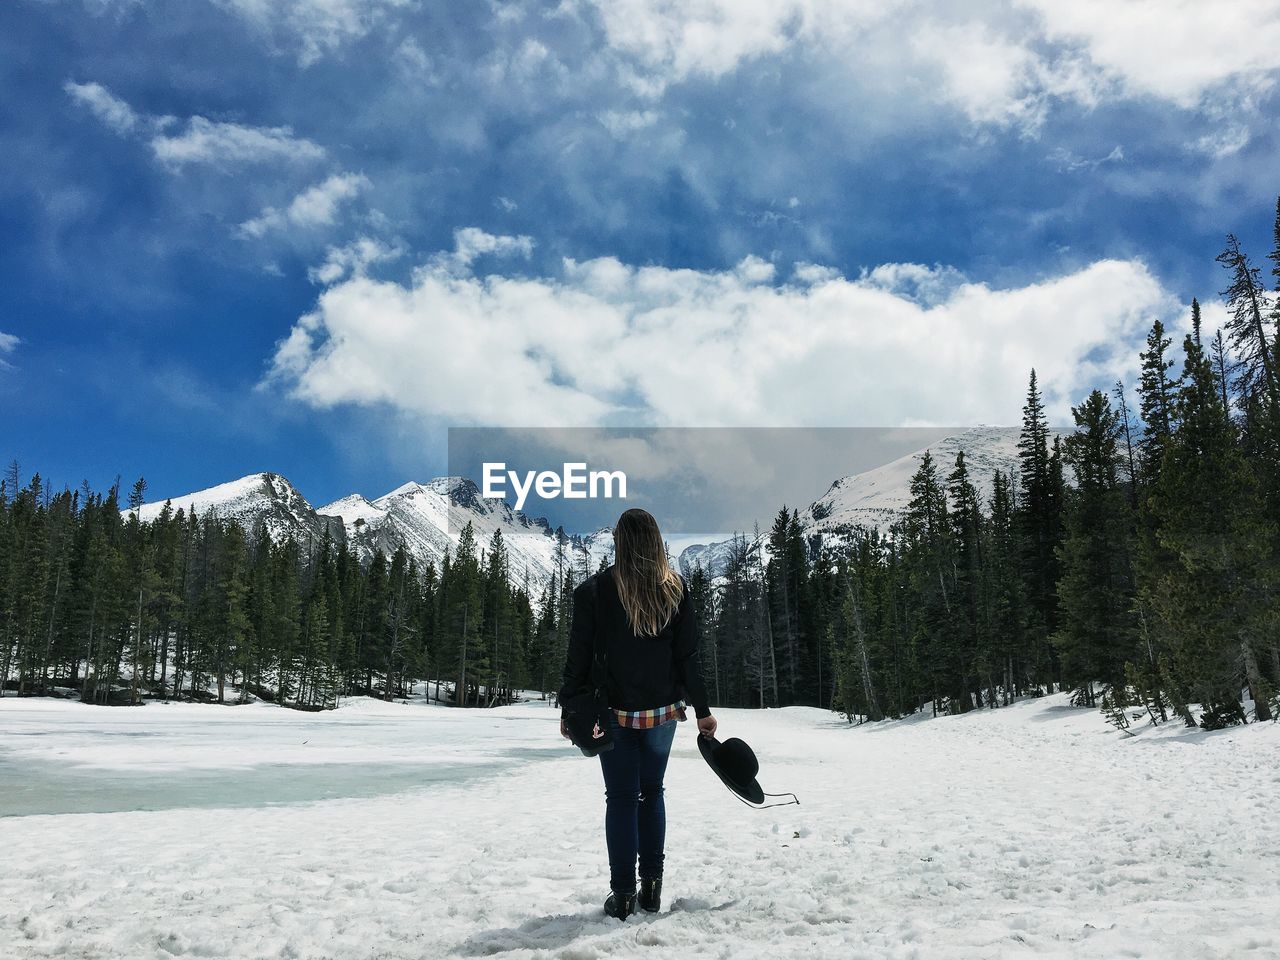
<point>7,344</point>
<point>606,342</point>
<point>417,65</point>
<point>1070,162</point>
<point>314,207</point>
<point>1223,143</point>
<point>1175,50</point>
<point>998,79</point>
<point>107,107</point>
<point>915,281</point>
<point>811,273</point>
<point>317,27</point>
<point>681,38</point>
<point>225,144</point>
<point>622,123</point>
<point>991,79</point>
<point>353,259</point>
<point>201,141</point>
<point>470,243</point>
<point>1001,63</point>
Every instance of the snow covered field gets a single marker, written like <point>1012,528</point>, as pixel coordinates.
<point>389,830</point>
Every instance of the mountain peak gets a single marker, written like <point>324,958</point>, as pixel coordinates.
<point>452,486</point>
<point>354,509</point>
<point>876,498</point>
<point>267,499</point>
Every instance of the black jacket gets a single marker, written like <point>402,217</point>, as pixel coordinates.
<point>644,673</point>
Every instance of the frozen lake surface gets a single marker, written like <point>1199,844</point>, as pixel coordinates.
<point>389,830</point>
<point>166,756</point>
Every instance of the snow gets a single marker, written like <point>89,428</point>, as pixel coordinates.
<point>424,518</point>
<point>265,498</point>
<point>224,498</point>
<point>878,497</point>
<point>353,508</point>
<point>427,519</point>
<point>1034,831</point>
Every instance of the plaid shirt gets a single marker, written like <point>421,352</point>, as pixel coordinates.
<point>647,719</point>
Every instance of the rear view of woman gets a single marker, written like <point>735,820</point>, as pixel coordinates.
<point>640,610</point>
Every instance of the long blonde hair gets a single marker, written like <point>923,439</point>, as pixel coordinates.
<point>647,586</point>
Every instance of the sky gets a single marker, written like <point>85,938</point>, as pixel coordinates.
<point>309,236</point>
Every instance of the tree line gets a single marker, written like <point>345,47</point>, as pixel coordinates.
<point>99,605</point>
<point>1133,560</point>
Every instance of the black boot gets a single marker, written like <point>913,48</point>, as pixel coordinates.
<point>650,894</point>
<point>620,905</point>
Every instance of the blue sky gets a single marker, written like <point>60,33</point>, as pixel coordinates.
<point>309,235</point>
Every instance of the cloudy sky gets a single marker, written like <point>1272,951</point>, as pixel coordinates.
<point>309,235</point>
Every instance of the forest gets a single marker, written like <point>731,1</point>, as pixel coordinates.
<point>1132,559</point>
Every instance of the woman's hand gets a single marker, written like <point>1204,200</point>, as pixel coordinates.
<point>564,730</point>
<point>707,726</point>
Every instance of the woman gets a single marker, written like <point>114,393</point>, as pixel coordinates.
<point>641,611</point>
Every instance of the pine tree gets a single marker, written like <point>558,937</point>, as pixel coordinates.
<point>929,567</point>
<point>464,618</point>
<point>742,636</point>
<point>971,657</point>
<point>232,624</point>
<point>499,620</point>
<point>541,651</point>
<point>784,575</point>
<point>1004,585</point>
<point>1129,460</point>
<point>1218,355</point>
<point>702,601</point>
<point>1096,636</point>
<point>1251,330</point>
<point>1212,600</point>
<point>286,606</point>
<point>1039,517</point>
<point>138,495</point>
<point>856,683</point>
<point>1156,399</point>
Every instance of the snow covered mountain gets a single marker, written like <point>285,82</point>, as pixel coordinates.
<point>261,497</point>
<point>712,557</point>
<point>424,518</point>
<point>427,519</point>
<point>876,498</point>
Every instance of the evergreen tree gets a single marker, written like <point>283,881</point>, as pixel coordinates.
<point>929,566</point>
<point>1039,521</point>
<point>500,618</point>
<point>972,662</point>
<point>1003,578</point>
<point>1096,637</point>
<point>784,576</point>
<point>1156,399</point>
<point>702,602</point>
<point>1212,600</point>
<point>1251,330</point>
<point>463,619</point>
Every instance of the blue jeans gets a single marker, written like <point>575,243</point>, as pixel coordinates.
<point>635,820</point>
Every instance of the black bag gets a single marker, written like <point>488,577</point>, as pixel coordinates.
<point>587,714</point>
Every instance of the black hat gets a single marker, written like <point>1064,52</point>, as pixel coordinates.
<point>735,763</point>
